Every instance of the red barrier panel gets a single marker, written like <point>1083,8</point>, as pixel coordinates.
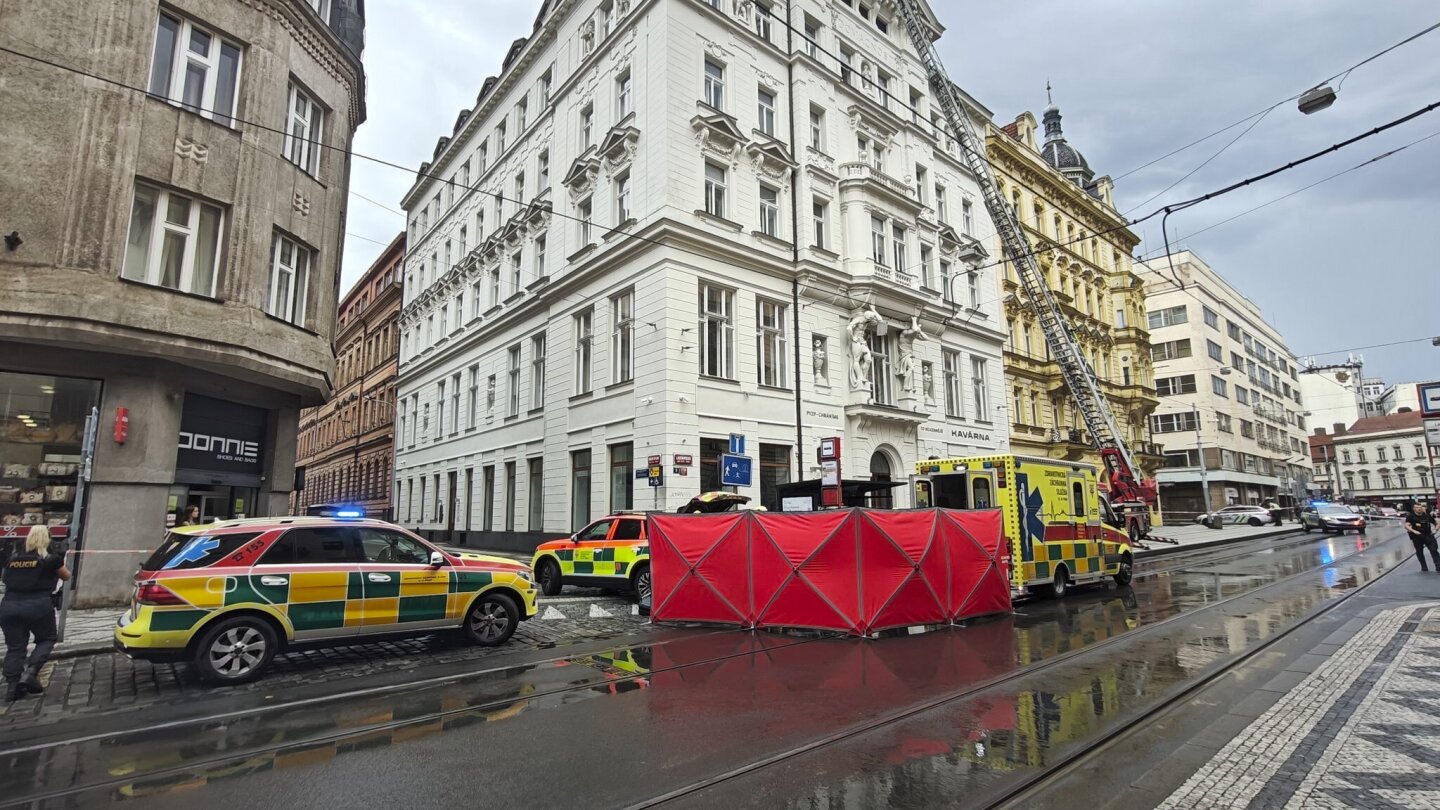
<point>855,570</point>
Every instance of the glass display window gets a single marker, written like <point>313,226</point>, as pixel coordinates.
<point>42,433</point>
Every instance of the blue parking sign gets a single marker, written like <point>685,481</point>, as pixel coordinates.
<point>735,471</point>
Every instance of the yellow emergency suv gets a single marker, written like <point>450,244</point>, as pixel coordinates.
<point>1061,529</point>
<point>228,596</point>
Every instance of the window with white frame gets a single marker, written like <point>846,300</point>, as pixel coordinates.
<point>500,139</point>
<point>584,350</point>
<point>302,131</point>
<point>622,199</point>
<point>947,281</point>
<point>981,388</point>
<point>537,371</point>
<point>717,332</point>
<point>584,212</point>
<point>770,342</point>
<point>927,271</point>
<point>522,115</point>
<point>622,337</point>
<point>472,403</point>
<point>515,280</point>
<point>1178,422</point>
<point>967,215</point>
<point>942,205</point>
<point>455,403</point>
<point>763,20</point>
<point>765,112</point>
<point>540,257</point>
<point>1171,316</point>
<point>897,244</point>
<point>714,190</point>
<point>877,240</point>
<point>439,409</point>
<point>542,172</point>
<point>587,125</point>
<point>514,369</point>
<point>973,280</point>
<point>289,279</point>
<point>819,214</point>
<point>817,129</point>
<point>623,98</point>
<point>174,241</point>
<point>882,391</point>
<point>195,68</point>
<point>322,7</point>
<point>769,210</point>
<point>812,37</point>
<point>715,84</point>
<point>475,306</point>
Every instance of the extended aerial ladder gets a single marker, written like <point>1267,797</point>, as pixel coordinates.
<point>1129,492</point>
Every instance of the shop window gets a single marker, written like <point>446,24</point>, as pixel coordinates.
<point>774,471</point>
<point>622,493</point>
<point>42,427</point>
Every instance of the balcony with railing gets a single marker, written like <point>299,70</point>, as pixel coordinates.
<point>868,177</point>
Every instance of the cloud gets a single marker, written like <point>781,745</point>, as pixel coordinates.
<point>1339,265</point>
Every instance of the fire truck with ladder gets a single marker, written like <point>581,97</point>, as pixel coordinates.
<point>1126,512</point>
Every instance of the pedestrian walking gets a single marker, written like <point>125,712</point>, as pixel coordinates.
<point>1421,526</point>
<point>30,577</point>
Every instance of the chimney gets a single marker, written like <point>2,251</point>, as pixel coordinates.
<point>1339,428</point>
<point>1405,409</point>
<point>1320,431</point>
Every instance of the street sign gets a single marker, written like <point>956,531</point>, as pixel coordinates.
<point>680,470</point>
<point>1429,394</point>
<point>1432,432</point>
<point>657,476</point>
<point>735,470</point>
<point>684,459</point>
<point>643,472</point>
<point>652,460</point>
<point>737,444</point>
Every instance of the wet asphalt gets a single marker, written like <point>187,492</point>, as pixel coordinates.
<point>700,717</point>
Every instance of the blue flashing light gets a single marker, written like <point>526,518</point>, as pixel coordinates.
<point>349,513</point>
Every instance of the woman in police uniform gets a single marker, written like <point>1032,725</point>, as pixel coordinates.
<point>30,576</point>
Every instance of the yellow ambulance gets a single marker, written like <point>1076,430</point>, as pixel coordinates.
<point>1061,529</point>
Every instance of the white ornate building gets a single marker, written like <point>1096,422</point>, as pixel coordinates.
<point>666,222</point>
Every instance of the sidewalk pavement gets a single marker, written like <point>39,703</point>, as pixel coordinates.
<point>1355,720</point>
<point>1193,535</point>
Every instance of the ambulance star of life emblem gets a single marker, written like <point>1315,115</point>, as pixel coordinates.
<point>1032,526</point>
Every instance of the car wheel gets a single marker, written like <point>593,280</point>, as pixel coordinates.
<point>1134,533</point>
<point>1126,572</point>
<point>548,575</point>
<point>1304,527</point>
<point>235,651</point>
<point>640,584</point>
<point>1057,589</point>
<point>1256,522</point>
<point>492,620</point>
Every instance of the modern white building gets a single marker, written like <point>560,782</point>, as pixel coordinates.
<point>1334,395</point>
<point>1229,393</point>
<point>1383,459</point>
<point>671,221</point>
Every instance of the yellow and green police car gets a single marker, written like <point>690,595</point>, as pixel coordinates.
<point>228,596</point>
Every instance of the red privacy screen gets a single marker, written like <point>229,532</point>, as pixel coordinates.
<point>853,570</point>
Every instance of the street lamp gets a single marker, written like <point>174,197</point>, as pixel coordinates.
<point>1316,99</point>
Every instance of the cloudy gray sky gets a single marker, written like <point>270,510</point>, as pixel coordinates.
<point>1346,264</point>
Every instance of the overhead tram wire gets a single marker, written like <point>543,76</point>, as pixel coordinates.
<point>679,248</point>
<point>1161,251</point>
<point>1340,75</point>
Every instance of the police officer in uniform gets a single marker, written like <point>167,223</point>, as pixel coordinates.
<point>30,576</point>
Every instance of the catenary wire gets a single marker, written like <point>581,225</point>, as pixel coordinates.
<point>502,198</point>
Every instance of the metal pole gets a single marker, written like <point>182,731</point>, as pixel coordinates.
<point>1200,450</point>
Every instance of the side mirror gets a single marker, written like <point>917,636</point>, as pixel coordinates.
<point>436,559</point>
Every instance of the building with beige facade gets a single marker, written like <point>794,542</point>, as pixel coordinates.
<point>1232,420</point>
<point>1069,216</point>
<point>345,453</point>
<point>171,278</point>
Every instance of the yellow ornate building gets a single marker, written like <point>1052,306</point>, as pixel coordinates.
<point>1068,215</point>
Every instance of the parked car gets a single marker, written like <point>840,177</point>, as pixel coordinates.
<point>228,596</point>
<point>1387,512</point>
<point>1331,519</point>
<point>612,553</point>
<point>1238,515</point>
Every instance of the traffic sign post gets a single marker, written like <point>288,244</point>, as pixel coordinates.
<point>832,491</point>
<point>735,470</point>
<point>657,476</point>
<point>737,444</point>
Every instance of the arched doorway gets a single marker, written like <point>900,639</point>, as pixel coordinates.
<point>881,470</point>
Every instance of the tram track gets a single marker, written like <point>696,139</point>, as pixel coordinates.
<point>1090,751</point>
<point>242,754</point>
<point>979,688</point>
